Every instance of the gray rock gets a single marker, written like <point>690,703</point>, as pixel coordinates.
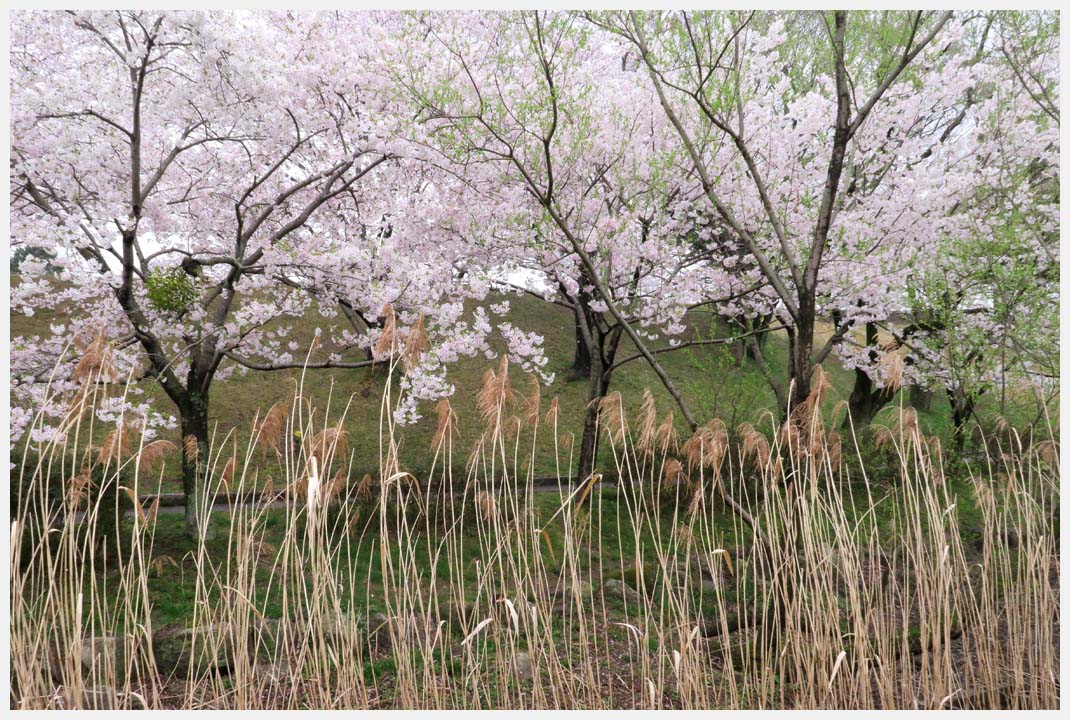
<point>343,630</point>
<point>1010,538</point>
<point>523,667</point>
<point>619,589</point>
<point>179,649</point>
<point>274,673</point>
<point>102,653</point>
<point>51,656</point>
<point>712,625</point>
<point>715,570</point>
<point>379,631</point>
<point>582,588</point>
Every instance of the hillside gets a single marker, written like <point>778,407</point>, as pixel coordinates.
<point>708,377</point>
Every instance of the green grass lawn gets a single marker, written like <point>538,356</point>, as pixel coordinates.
<point>610,546</point>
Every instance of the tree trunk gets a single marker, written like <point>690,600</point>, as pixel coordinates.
<point>740,351</point>
<point>588,443</point>
<point>602,357</point>
<point>801,357</point>
<point>597,388</point>
<point>863,402</point>
<point>748,348</point>
<point>921,398</point>
<point>866,400</point>
<point>760,339</point>
<point>961,410</point>
<point>194,422</point>
<point>581,362</point>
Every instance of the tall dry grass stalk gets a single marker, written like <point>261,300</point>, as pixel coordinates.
<point>860,592</point>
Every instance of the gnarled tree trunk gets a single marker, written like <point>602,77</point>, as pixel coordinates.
<point>194,424</point>
<point>603,357</point>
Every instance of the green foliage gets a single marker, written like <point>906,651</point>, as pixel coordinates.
<point>992,306</point>
<point>170,290</point>
<point>734,392</point>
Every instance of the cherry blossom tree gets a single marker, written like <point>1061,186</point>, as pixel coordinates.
<point>808,154</point>
<point>554,128</point>
<point>983,300</point>
<point>199,178</point>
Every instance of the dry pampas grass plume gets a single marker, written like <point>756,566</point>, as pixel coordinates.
<point>753,444</point>
<point>808,412</point>
<point>843,406</point>
<point>891,365</point>
<point>117,444</point>
<point>190,448</point>
<point>384,347</point>
<point>665,437</point>
<point>447,423</point>
<point>790,436</point>
<point>820,384</point>
<point>936,456</point>
<point>512,427</point>
<point>907,423</point>
<point>486,504</point>
<point>495,392</point>
<point>505,390</point>
<point>273,427</point>
<point>835,449</point>
<point>611,415</point>
<point>553,412</point>
<point>1048,451</point>
<point>335,486</point>
<point>78,487</point>
<point>298,489</point>
<point>707,446</point>
<point>648,418</point>
<point>697,501</point>
<point>883,437</point>
<point>366,489</point>
<point>153,454</point>
<point>533,402</point>
<point>674,470</point>
<point>487,397</point>
<point>97,361</point>
<point>328,444</point>
<point>416,344</point>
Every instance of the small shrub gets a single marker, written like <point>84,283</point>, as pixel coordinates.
<point>171,290</point>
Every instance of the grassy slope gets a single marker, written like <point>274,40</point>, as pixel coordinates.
<point>706,375</point>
